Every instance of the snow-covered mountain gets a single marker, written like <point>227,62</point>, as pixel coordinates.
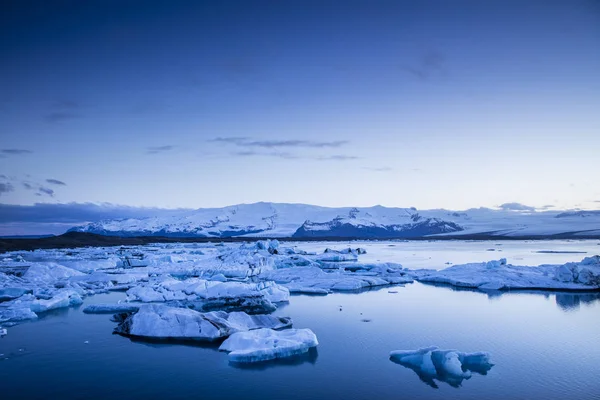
<point>302,221</point>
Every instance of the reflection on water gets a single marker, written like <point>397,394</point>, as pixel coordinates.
<point>572,301</point>
<point>540,351</point>
<point>566,301</point>
<point>306,358</point>
<point>446,366</point>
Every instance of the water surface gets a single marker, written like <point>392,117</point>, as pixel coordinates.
<point>544,345</point>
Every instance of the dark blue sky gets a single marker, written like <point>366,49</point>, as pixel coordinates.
<point>450,104</point>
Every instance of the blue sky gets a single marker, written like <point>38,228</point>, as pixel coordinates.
<point>432,104</point>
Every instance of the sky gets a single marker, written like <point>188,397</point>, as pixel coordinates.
<point>188,104</point>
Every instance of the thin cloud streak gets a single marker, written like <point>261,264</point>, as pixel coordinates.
<point>270,144</point>
<point>6,187</point>
<point>45,191</point>
<point>15,151</point>
<point>291,156</point>
<point>159,149</point>
<point>56,182</point>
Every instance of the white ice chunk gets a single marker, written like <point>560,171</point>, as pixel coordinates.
<point>163,322</point>
<point>268,344</point>
<point>498,275</point>
<point>63,298</point>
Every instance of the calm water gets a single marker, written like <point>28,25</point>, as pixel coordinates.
<point>544,345</point>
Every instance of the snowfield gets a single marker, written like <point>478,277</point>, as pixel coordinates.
<point>215,291</point>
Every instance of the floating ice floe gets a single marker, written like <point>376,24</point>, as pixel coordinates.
<point>314,279</point>
<point>498,275</point>
<point>448,366</point>
<point>268,344</point>
<point>159,321</point>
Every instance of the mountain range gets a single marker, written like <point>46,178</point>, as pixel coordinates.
<point>307,221</point>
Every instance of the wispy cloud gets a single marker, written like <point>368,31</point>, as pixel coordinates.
<point>6,187</point>
<point>62,110</point>
<point>229,140</point>
<point>429,64</point>
<point>15,151</point>
<point>58,116</point>
<point>516,207</point>
<point>292,156</point>
<point>378,169</point>
<point>336,157</point>
<point>56,182</point>
<point>159,149</point>
<point>270,144</point>
<point>28,186</point>
<point>295,143</point>
<point>45,191</point>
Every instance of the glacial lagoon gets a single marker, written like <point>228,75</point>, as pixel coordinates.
<point>544,345</point>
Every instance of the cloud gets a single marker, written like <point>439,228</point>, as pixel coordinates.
<point>270,144</point>
<point>45,191</point>
<point>59,116</point>
<point>56,182</point>
<point>546,207</point>
<point>336,157</point>
<point>6,187</point>
<point>159,149</point>
<point>378,169</point>
<point>295,143</point>
<point>77,213</point>
<point>229,140</point>
<point>28,186</point>
<point>516,207</point>
<point>62,110</point>
<point>292,156</point>
<point>57,218</point>
<point>15,151</point>
<point>429,64</point>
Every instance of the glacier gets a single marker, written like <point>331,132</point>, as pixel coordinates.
<point>268,344</point>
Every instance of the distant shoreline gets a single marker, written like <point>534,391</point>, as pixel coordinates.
<point>83,239</point>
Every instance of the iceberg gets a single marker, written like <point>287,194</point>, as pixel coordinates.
<point>498,275</point>
<point>159,321</point>
<point>63,298</point>
<point>9,293</point>
<point>248,304</point>
<point>268,344</point>
<point>448,366</point>
<point>16,312</point>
